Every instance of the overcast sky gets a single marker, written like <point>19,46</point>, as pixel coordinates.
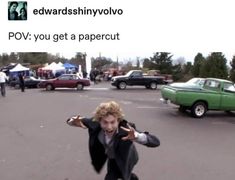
<point>133,56</point>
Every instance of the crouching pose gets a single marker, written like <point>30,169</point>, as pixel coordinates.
<point>111,138</point>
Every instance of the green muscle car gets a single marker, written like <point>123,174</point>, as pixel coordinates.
<point>215,94</point>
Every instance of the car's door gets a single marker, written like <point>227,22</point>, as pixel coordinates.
<point>74,81</point>
<point>62,81</point>
<point>28,82</point>
<point>213,93</point>
<point>136,78</point>
<point>228,97</point>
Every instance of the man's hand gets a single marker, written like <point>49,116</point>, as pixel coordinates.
<point>76,121</point>
<point>131,133</point>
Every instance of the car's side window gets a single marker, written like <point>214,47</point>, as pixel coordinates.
<point>64,78</point>
<point>228,87</point>
<point>136,74</point>
<point>75,77</point>
<point>212,84</point>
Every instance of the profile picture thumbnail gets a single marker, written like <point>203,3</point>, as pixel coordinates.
<point>17,10</point>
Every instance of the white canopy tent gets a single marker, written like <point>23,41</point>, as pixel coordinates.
<point>54,68</point>
<point>19,68</point>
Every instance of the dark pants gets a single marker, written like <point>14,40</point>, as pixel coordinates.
<point>22,87</point>
<point>3,89</point>
<point>114,173</point>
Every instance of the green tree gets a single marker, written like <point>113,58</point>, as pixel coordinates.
<point>13,57</point>
<point>162,61</point>
<point>148,64</point>
<point>197,65</point>
<point>232,71</point>
<point>33,58</point>
<point>177,72</point>
<point>100,62</point>
<point>215,66</point>
<point>4,59</point>
<point>79,59</point>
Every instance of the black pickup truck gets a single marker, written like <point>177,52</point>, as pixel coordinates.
<point>136,78</point>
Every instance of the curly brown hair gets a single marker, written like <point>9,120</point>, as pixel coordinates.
<point>108,108</point>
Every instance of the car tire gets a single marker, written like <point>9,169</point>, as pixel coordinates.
<point>79,86</point>
<point>49,87</point>
<point>199,109</point>
<point>153,85</point>
<point>122,85</point>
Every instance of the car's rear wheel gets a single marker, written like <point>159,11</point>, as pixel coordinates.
<point>153,85</point>
<point>199,109</point>
<point>79,86</point>
<point>122,85</point>
<point>49,87</point>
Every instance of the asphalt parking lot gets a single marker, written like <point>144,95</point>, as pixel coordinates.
<point>37,144</point>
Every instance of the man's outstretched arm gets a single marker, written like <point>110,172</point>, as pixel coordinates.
<point>144,138</point>
<point>76,121</point>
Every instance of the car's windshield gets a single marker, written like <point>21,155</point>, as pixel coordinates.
<point>129,73</point>
<point>194,81</point>
<point>33,78</point>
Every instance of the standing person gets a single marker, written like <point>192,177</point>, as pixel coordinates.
<point>3,79</point>
<point>84,74</point>
<point>112,138</point>
<point>12,13</point>
<point>21,80</point>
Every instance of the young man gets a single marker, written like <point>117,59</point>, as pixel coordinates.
<point>21,80</point>
<point>111,137</point>
<point>3,79</point>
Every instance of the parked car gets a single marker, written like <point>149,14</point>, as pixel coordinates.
<point>65,81</point>
<point>215,94</point>
<point>136,78</point>
<point>194,82</point>
<point>30,82</point>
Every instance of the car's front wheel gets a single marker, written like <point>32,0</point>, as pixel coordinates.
<point>49,87</point>
<point>122,85</point>
<point>199,109</point>
<point>79,87</point>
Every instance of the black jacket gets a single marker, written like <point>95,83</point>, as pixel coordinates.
<point>126,155</point>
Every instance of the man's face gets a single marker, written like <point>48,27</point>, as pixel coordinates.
<point>13,7</point>
<point>109,124</point>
